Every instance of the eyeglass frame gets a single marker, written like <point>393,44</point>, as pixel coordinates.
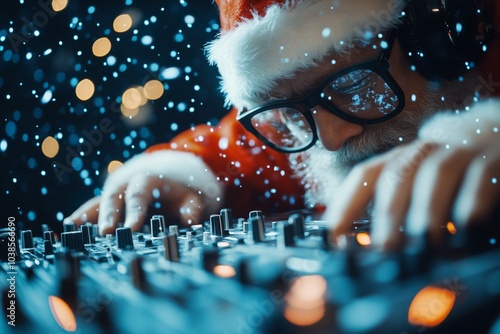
<point>378,64</point>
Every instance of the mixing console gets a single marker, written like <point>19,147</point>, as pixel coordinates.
<point>245,275</point>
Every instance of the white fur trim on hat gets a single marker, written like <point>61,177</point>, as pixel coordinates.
<point>261,50</point>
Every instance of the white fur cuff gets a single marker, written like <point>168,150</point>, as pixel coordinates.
<point>478,126</point>
<point>182,167</point>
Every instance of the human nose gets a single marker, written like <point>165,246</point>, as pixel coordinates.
<point>333,131</point>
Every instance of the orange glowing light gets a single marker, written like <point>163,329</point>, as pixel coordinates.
<point>114,165</point>
<point>101,47</point>
<point>58,5</point>
<point>132,98</point>
<point>50,147</point>
<point>451,228</point>
<point>85,89</point>
<point>431,306</point>
<point>363,239</point>
<point>144,99</point>
<point>153,89</point>
<point>224,271</point>
<point>129,113</point>
<point>305,302</point>
<point>122,23</point>
<point>62,313</point>
<point>301,317</point>
<point>306,292</point>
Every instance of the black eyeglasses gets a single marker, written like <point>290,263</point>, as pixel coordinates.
<point>364,93</point>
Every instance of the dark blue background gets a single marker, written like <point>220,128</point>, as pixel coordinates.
<point>31,190</point>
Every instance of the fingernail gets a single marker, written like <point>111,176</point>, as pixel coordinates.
<point>129,222</point>
<point>103,230</point>
<point>106,225</point>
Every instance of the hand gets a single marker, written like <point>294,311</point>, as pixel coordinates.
<point>420,187</point>
<point>175,184</point>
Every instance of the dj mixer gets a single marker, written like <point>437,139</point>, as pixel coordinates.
<point>254,274</point>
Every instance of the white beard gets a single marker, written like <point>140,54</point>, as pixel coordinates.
<point>320,172</point>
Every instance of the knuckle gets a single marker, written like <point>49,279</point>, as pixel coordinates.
<point>109,190</point>
<point>426,147</point>
<point>134,192</point>
<point>417,155</point>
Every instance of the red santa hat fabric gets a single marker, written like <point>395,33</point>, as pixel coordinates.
<point>262,41</point>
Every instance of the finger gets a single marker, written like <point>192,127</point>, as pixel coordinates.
<point>138,195</point>
<point>110,209</point>
<point>183,203</point>
<point>479,193</point>
<point>353,196</point>
<point>393,194</point>
<point>436,183</point>
<point>87,212</point>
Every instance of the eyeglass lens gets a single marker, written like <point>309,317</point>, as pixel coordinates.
<point>360,93</point>
<point>284,127</point>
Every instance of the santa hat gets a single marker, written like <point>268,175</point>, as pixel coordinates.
<point>262,41</point>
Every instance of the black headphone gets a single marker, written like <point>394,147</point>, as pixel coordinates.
<point>444,38</point>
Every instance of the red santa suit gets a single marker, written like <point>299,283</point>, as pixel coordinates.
<point>251,175</point>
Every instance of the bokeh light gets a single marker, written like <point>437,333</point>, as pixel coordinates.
<point>451,228</point>
<point>59,5</point>
<point>101,47</point>
<point>302,317</point>
<point>153,89</point>
<point>224,271</point>
<point>114,165</point>
<point>305,300</point>
<point>122,23</point>
<point>128,113</point>
<point>144,99</point>
<point>62,314</point>
<point>363,238</point>
<point>50,147</point>
<point>430,306</point>
<point>132,98</point>
<point>85,89</point>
